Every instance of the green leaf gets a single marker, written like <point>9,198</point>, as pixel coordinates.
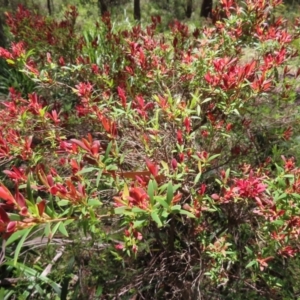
<point>206,100</point>
<point>169,193</point>
<point>15,236</point>
<point>276,75</point>
<point>32,207</point>
<point>279,169</point>
<point>50,207</point>
<point>107,151</point>
<point>251,263</point>
<point>14,217</point>
<point>236,112</point>
<point>165,166</point>
<point>67,222</point>
<point>197,179</point>
<point>54,229</point>
<point>53,284</point>
<point>120,210</point>
<point>26,270</point>
<point>137,210</point>
<point>156,219</point>
<point>163,187</point>
<point>29,191</point>
<point>111,168</point>
<point>162,202</point>
<point>20,244</point>
<point>164,214</point>
<point>129,213</point>
<point>63,202</point>
<point>155,186</point>
<point>279,222</point>
<point>150,191</point>
<point>99,291</point>
<point>282,196</point>
<point>227,173</point>
<point>7,294</point>
<point>47,230</point>
<point>289,176</point>
<point>37,288</point>
<point>195,98</point>
<point>176,187</point>
<point>184,212</point>
<point>63,229</point>
<point>86,170</point>
<point>198,109</point>
<point>176,207</point>
<point>94,202</point>
<point>297,196</point>
<point>249,251</point>
<point>137,224</point>
<point>10,62</point>
<point>98,178</point>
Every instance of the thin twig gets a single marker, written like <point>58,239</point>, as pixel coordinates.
<point>54,260</point>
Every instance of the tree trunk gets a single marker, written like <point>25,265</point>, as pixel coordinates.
<point>206,8</point>
<point>137,10</point>
<point>2,35</point>
<point>49,7</point>
<point>103,7</point>
<point>189,8</point>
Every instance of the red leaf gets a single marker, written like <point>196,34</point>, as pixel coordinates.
<point>187,124</point>
<point>20,200</point>
<point>24,211</point>
<point>176,198</point>
<point>113,129</point>
<point>215,196</point>
<point>87,142</point>
<point>80,144</point>
<point>53,190</point>
<point>122,96</point>
<point>41,207</point>
<point>74,165</point>
<point>106,124</point>
<point>3,216</point>
<point>119,246</point>
<point>174,163</point>
<point>153,169</point>
<point>179,137</point>
<point>6,195</point>
<point>11,227</point>
<point>16,174</point>
<point>50,180</point>
<point>202,190</point>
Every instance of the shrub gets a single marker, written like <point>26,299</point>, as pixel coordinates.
<point>166,152</point>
